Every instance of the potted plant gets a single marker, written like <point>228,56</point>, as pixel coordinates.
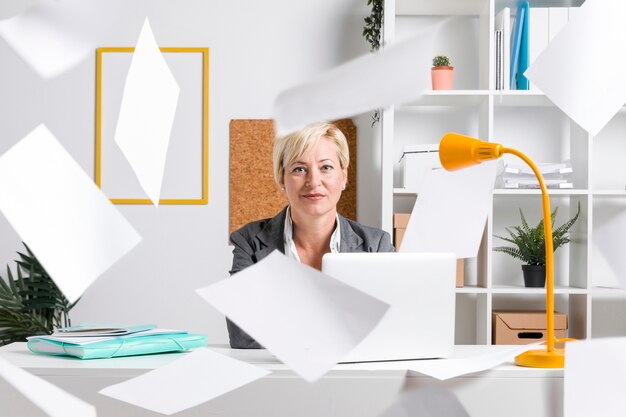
<point>530,246</point>
<point>30,303</point>
<point>442,73</point>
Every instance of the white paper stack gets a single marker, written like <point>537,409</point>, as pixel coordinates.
<point>555,175</point>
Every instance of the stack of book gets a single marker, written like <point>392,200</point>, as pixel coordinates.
<point>520,38</point>
<point>96,341</point>
<point>555,175</point>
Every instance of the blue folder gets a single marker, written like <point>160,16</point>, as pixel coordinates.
<point>522,15</point>
<point>521,80</point>
<point>122,346</point>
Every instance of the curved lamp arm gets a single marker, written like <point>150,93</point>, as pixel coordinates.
<point>458,151</point>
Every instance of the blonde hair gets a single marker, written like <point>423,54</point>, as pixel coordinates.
<point>292,146</point>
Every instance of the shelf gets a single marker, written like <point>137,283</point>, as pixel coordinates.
<point>403,192</point>
<point>440,7</point>
<point>605,291</point>
<point>472,289</point>
<point>608,193</point>
<point>512,289</point>
<point>520,98</point>
<point>518,192</point>
<point>456,98</point>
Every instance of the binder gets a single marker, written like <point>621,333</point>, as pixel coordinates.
<point>516,44</point>
<point>521,81</point>
<point>503,24</point>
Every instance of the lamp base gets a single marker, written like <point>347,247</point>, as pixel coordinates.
<point>541,359</point>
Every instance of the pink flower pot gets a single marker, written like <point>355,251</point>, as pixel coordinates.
<point>442,78</point>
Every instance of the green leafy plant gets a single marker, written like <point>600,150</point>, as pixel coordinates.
<point>372,32</point>
<point>374,24</point>
<point>441,61</point>
<point>30,303</point>
<point>529,241</point>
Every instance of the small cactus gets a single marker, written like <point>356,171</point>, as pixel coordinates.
<point>441,61</point>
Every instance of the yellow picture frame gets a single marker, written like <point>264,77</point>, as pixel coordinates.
<point>204,194</point>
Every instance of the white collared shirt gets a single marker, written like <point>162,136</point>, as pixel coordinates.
<point>290,245</point>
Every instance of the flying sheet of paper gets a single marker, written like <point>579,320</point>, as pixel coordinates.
<point>356,87</point>
<point>197,377</point>
<point>68,223</point>
<point>449,368</point>
<point>573,71</point>
<point>307,319</point>
<point>594,378</point>
<point>430,401</point>
<point>147,113</point>
<point>607,235</point>
<point>51,399</point>
<point>53,36</point>
<point>451,210</point>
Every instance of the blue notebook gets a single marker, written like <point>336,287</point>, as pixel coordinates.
<point>521,80</point>
<point>517,41</point>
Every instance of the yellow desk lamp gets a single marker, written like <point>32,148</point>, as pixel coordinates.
<point>458,151</point>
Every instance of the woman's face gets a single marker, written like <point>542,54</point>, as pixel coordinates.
<point>314,181</point>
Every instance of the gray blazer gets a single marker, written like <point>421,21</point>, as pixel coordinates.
<point>256,240</point>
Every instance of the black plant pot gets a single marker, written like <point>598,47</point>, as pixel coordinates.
<point>534,275</point>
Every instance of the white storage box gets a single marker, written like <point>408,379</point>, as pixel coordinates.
<point>415,163</point>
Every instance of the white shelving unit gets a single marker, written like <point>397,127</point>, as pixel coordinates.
<point>528,121</point>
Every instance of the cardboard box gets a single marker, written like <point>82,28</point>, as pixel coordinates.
<point>400,220</point>
<point>415,163</point>
<point>523,327</point>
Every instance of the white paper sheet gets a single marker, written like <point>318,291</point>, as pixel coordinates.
<point>430,401</point>
<point>573,70</point>
<point>451,210</point>
<point>397,74</point>
<point>449,368</point>
<point>195,378</point>
<point>595,378</point>
<point>609,236</point>
<point>307,319</point>
<point>55,35</point>
<point>51,399</point>
<point>68,223</point>
<point>147,113</point>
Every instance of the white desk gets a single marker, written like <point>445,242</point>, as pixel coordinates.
<point>363,389</point>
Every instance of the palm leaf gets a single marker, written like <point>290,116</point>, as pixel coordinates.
<point>529,242</point>
<point>31,303</point>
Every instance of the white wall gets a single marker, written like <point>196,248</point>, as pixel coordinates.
<point>257,49</point>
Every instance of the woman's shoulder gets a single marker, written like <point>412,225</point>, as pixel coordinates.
<point>252,229</point>
<point>365,230</point>
<point>373,238</point>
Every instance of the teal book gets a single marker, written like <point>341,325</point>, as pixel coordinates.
<point>524,55</point>
<point>112,347</point>
<point>517,42</point>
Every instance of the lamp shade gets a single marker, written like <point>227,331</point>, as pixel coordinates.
<point>458,151</point>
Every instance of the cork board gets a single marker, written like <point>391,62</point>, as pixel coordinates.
<point>253,193</point>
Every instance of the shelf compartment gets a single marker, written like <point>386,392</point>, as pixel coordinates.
<point>570,261</point>
<point>608,315</point>
<point>608,150</point>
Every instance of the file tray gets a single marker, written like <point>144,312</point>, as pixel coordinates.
<point>127,346</point>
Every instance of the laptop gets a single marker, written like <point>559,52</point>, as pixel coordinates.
<point>420,289</point>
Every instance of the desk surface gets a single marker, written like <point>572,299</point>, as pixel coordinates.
<point>19,355</point>
<point>503,390</point>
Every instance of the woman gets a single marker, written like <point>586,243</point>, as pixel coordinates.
<point>311,167</point>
